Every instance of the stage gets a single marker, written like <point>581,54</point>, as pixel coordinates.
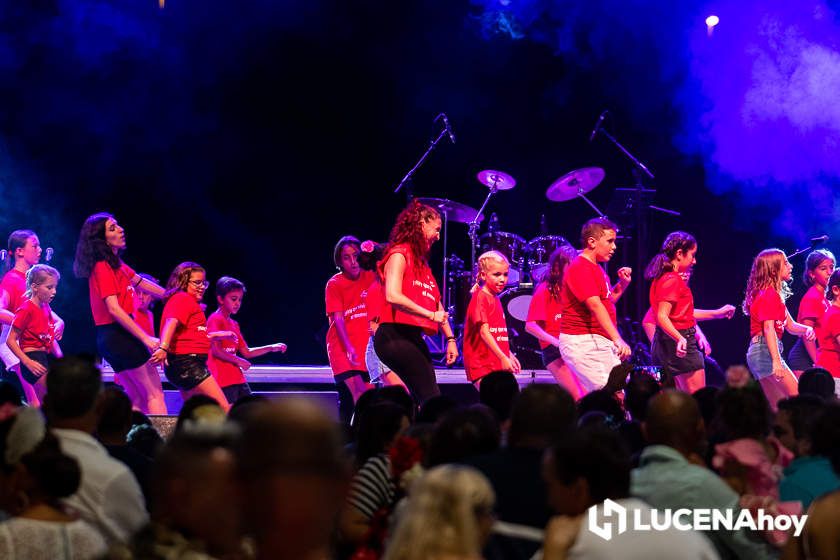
<point>276,381</point>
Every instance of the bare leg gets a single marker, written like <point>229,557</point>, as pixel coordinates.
<point>41,387</point>
<point>776,390</point>
<point>357,386</point>
<point>210,388</point>
<point>28,390</point>
<point>564,377</point>
<point>691,382</point>
<point>149,391</point>
<point>390,378</point>
<point>127,385</point>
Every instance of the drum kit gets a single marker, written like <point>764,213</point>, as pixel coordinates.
<point>529,259</point>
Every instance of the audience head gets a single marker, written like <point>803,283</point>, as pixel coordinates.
<point>435,408</point>
<point>448,515</point>
<point>200,409</point>
<point>194,487</point>
<point>379,426</point>
<point>818,382</point>
<point>244,406</point>
<point>145,439</point>
<point>825,435</point>
<point>541,414</point>
<point>793,421</point>
<point>34,469</point>
<point>601,401</point>
<point>400,397</point>
<point>584,468</point>
<point>673,419</point>
<point>498,391</point>
<point>640,388</point>
<point>463,433</point>
<point>74,384</point>
<point>9,394</point>
<point>743,412</point>
<point>295,486</point>
<point>706,399</point>
<point>115,415</point>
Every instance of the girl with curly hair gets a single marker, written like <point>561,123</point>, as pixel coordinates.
<point>130,350</point>
<point>184,336</point>
<point>767,290</point>
<point>412,304</point>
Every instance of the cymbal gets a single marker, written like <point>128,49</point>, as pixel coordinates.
<point>573,183</point>
<point>499,179</point>
<point>454,211</point>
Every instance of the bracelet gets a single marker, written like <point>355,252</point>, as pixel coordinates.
<point>452,338</point>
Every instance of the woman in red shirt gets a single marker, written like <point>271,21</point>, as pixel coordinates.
<point>767,288</point>
<point>828,355</point>
<point>818,268</point>
<point>184,336</point>
<point>130,350</point>
<point>412,302</point>
<point>543,319</point>
<point>674,345</point>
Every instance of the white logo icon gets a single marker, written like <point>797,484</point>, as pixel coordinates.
<point>611,509</point>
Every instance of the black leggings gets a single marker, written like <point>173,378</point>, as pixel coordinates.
<point>402,348</point>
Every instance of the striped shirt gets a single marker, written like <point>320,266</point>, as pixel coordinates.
<point>372,487</point>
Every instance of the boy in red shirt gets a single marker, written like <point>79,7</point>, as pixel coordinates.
<point>486,345</point>
<point>223,361</point>
<point>589,340</point>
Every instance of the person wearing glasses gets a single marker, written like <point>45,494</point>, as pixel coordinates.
<point>130,350</point>
<point>184,336</point>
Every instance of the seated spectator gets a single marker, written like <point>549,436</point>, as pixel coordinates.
<point>640,388</point>
<point>294,488</point>
<point>38,475</point>
<point>196,511</point>
<point>810,475</point>
<point>448,516</point>
<point>672,473</point>
<point>541,414</point>
<point>379,426</point>
<point>498,391</point>
<point>9,394</point>
<point>582,470</point>
<point>462,434</point>
<point>112,431</point>
<point>109,496</point>
<point>144,439</point>
<point>435,408</point>
<point>818,382</point>
<point>200,408</point>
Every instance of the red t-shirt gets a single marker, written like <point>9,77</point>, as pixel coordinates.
<point>14,284</point>
<point>584,279</point>
<point>190,335</point>
<point>672,288</point>
<point>545,310</point>
<point>347,296</point>
<point>145,320</point>
<point>479,360</point>
<point>104,281</point>
<point>767,306</point>
<point>418,285</point>
<point>36,325</point>
<point>225,373</point>
<point>374,298</point>
<point>828,352</point>
<point>813,306</point>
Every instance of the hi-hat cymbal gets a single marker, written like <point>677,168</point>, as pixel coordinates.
<point>499,179</point>
<point>454,211</point>
<point>574,183</point>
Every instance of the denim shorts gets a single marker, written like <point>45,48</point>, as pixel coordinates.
<point>758,358</point>
<point>375,367</point>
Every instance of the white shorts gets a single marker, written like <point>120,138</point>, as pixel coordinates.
<point>837,387</point>
<point>5,354</point>
<point>590,357</point>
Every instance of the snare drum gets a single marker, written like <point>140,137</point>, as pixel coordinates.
<point>515,302</point>
<point>540,250</point>
<point>514,247</point>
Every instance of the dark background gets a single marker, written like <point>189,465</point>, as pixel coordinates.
<point>250,136</point>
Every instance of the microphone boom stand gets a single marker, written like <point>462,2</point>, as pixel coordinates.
<point>432,145</point>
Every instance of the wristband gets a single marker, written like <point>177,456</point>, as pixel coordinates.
<point>452,338</point>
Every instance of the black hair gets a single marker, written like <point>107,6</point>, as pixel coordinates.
<point>9,394</point>
<point>661,262</point>
<point>17,240</point>
<point>498,391</point>
<point>369,259</point>
<point>226,285</point>
<point>817,381</point>
<point>814,260</point>
<point>115,413</point>
<point>343,242</point>
<point>743,412</point>
<point>435,408</point>
<point>833,280</point>
<point>640,389</point>
<point>602,401</point>
<point>92,247</point>
<point>463,433</point>
<point>825,435</point>
<point>378,426</point>
<point>595,228</point>
<point>73,385</point>
<point>541,412</point>
<point>802,411</point>
<point>597,455</point>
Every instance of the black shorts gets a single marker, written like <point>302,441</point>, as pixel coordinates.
<point>549,354</point>
<point>798,358</point>
<point>235,392</point>
<point>120,348</point>
<point>186,371</point>
<point>353,373</point>
<point>39,356</point>
<point>664,353</point>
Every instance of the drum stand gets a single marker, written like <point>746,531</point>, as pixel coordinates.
<point>473,231</point>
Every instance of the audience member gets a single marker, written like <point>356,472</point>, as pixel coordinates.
<point>109,496</point>
<point>498,391</point>
<point>818,382</point>
<point>435,408</point>
<point>462,434</point>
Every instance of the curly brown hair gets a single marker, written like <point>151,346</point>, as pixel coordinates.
<point>557,263</point>
<point>180,277</point>
<point>408,228</point>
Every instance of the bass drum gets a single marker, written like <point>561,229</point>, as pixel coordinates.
<point>515,302</point>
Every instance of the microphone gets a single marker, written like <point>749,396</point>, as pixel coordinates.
<point>819,240</point>
<point>446,126</point>
<point>494,223</point>
<point>48,254</point>
<point>598,125</point>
